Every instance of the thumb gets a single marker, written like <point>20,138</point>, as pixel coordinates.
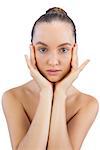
<point>82,66</point>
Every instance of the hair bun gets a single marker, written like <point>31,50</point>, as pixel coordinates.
<point>56,10</point>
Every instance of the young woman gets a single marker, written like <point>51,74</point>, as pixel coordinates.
<point>48,112</point>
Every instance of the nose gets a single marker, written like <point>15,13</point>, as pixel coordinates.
<point>53,60</point>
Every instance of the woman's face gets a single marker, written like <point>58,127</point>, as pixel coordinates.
<point>50,50</point>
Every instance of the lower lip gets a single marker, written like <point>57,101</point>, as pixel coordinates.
<point>53,72</point>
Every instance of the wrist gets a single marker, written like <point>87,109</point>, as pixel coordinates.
<point>60,94</point>
<point>46,94</point>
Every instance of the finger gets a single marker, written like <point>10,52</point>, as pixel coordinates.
<point>74,58</point>
<point>30,66</point>
<point>83,65</point>
<point>34,73</point>
<point>32,58</point>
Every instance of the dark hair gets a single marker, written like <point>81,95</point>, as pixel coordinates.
<point>52,14</point>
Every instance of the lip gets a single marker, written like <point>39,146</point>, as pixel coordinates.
<point>53,72</point>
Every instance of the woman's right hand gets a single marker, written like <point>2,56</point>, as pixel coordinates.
<point>42,82</point>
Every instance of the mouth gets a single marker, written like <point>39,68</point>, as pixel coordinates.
<point>53,72</point>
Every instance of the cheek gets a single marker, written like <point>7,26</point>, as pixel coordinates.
<point>68,58</point>
<point>38,58</point>
<point>67,62</point>
<point>39,61</point>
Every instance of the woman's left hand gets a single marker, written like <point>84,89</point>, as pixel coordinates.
<point>63,85</point>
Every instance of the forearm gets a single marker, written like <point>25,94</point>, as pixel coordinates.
<point>37,135</point>
<point>59,138</point>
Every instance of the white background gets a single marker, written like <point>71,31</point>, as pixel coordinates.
<point>16,20</point>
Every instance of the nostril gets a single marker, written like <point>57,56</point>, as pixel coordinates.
<point>53,61</point>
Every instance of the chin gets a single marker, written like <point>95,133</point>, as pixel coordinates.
<point>54,79</point>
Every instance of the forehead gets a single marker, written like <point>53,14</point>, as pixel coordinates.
<point>53,32</point>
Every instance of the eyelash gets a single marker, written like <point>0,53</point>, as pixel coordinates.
<point>45,48</point>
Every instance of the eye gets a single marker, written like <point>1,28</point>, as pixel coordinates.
<point>42,50</point>
<point>65,50</point>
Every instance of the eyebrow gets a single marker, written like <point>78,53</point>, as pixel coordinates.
<point>57,46</point>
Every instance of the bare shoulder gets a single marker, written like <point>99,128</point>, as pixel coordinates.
<point>10,98</point>
<point>81,121</point>
<point>17,120</point>
<point>13,97</point>
<point>86,100</point>
<point>24,97</point>
<point>79,102</point>
<point>13,93</point>
<point>89,105</point>
<point>18,93</point>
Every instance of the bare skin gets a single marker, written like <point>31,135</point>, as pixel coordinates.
<point>36,102</point>
<point>76,101</point>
